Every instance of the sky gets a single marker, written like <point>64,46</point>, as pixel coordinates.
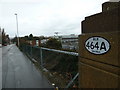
<point>45,17</point>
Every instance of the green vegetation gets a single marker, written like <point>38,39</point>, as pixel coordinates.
<point>53,43</point>
<point>5,37</point>
<point>61,68</point>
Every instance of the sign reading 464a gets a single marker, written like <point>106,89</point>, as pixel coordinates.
<point>97,45</point>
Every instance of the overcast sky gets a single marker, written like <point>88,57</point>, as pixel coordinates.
<point>45,17</point>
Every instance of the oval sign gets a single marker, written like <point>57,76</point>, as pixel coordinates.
<point>97,45</point>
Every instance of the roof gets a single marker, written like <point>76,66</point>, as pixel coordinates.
<point>70,36</point>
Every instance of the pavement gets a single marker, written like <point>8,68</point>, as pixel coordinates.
<point>19,72</point>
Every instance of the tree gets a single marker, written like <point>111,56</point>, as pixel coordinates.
<point>42,37</point>
<point>26,38</point>
<point>0,36</point>
<point>14,39</point>
<point>30,37</point>
<point>5,38</point>
<point>53,43</point>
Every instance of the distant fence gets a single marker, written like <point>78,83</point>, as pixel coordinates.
<point>59,63</point>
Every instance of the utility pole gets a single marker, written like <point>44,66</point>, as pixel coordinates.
<point>17,29</point>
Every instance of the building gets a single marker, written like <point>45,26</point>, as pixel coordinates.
<point>43,41</point>
<point>34,42</point>
<point>69,42</point>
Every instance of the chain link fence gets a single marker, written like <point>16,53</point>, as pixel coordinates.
<point>60,67</point>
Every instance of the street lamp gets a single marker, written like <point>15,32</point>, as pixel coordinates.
<point>17,29</point>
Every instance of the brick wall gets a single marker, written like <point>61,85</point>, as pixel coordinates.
<point>102,22</point>
<point>109,6</point>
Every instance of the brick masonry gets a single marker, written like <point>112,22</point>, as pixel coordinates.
<point>101,71</point>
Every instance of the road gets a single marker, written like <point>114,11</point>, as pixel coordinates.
<point>19,72</point>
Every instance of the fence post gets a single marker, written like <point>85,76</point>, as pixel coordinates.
<point>71,82</point>
<point>41,57</point>
<point>31,52</point>
<point>25,48</point>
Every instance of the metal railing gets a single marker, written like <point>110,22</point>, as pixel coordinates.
<point>60,51</point>
<point>46,57</point>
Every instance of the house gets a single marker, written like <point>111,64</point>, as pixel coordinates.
<point>34,42</point>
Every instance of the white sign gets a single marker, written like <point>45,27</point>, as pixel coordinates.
<point>97,45</point>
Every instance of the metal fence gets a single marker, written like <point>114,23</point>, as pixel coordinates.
<point>59,63</point>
